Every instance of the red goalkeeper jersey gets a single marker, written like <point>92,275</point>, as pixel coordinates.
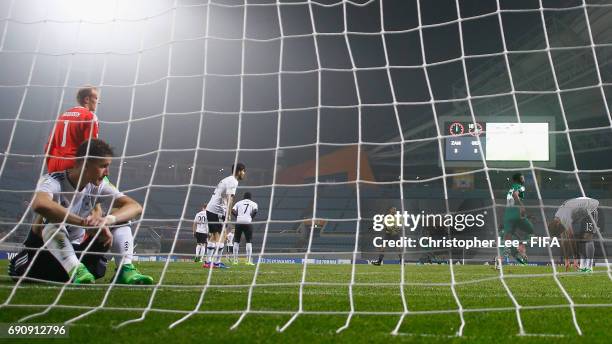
<point>72,128</point>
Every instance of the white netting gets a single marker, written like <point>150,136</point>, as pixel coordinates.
<point>338,109</point>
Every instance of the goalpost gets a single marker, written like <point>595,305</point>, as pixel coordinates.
<point>207,69</point>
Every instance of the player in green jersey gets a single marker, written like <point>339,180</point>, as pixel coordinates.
<point>515,217</point>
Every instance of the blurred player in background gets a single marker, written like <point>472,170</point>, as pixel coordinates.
<point>217,211</point>
<point>229,243</point>
<point>244,211</point>
<point>391,232</point>
<point>515,217</point>
<point>200,233</point>
<point>577,219</point>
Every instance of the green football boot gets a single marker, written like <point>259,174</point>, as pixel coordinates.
<point>80,275</point>
<point>130,275</point>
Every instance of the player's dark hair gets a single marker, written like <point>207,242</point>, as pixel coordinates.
<point>85,92</point>
<point>95,149</point>
<point>517,177</point>
<point>247,195</point>
<point>239,167</point>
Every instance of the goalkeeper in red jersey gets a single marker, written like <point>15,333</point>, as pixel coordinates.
<point>73,127</point>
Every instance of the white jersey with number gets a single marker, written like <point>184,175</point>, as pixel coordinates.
<point>572,206</point>
<point>201,222</point>
<point>218,201</point>
<point>245,210</point>
<point>81,202</point>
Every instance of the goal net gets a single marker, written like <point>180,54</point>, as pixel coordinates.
<point>340,110</point>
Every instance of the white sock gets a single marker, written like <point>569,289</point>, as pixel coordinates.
<point>236,249</point>
<point>198,250</point>
<point>590,263</point>
<point>123,245</point>
<point>60,247</point>
<point>249,251</point>
<point>583,263</point>
<point>219,252</point>
<point>210,251</point>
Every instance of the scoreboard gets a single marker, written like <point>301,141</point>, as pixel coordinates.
<point>463,143</point>
<point>500,142</point>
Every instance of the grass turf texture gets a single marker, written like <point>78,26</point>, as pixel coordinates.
<point>427,291</point>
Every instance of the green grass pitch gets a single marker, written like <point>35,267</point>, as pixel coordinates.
<point>489,312</point>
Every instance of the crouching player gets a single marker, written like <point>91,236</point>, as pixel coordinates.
<point>576,220</point>
<point>65,200</point>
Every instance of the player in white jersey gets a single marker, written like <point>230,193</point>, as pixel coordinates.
<point>65,200</point>
<point>229,243</point>
<point>576,220</point>
<point>200,232</point>
<point>217,211</point>
<point>244,211</point>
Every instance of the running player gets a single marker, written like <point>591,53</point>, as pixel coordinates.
<point>244,211</point>
<point>217,211</point>
<point>200,232</point>
<point>65,200</point>
<point>515,217</point>
<point>577,220</point>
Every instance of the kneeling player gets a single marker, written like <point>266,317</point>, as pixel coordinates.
<point>576,220</point>
<point>244,211</point>
<point>65,200</point>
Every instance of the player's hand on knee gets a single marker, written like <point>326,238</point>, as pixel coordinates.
<point>106,237</point>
